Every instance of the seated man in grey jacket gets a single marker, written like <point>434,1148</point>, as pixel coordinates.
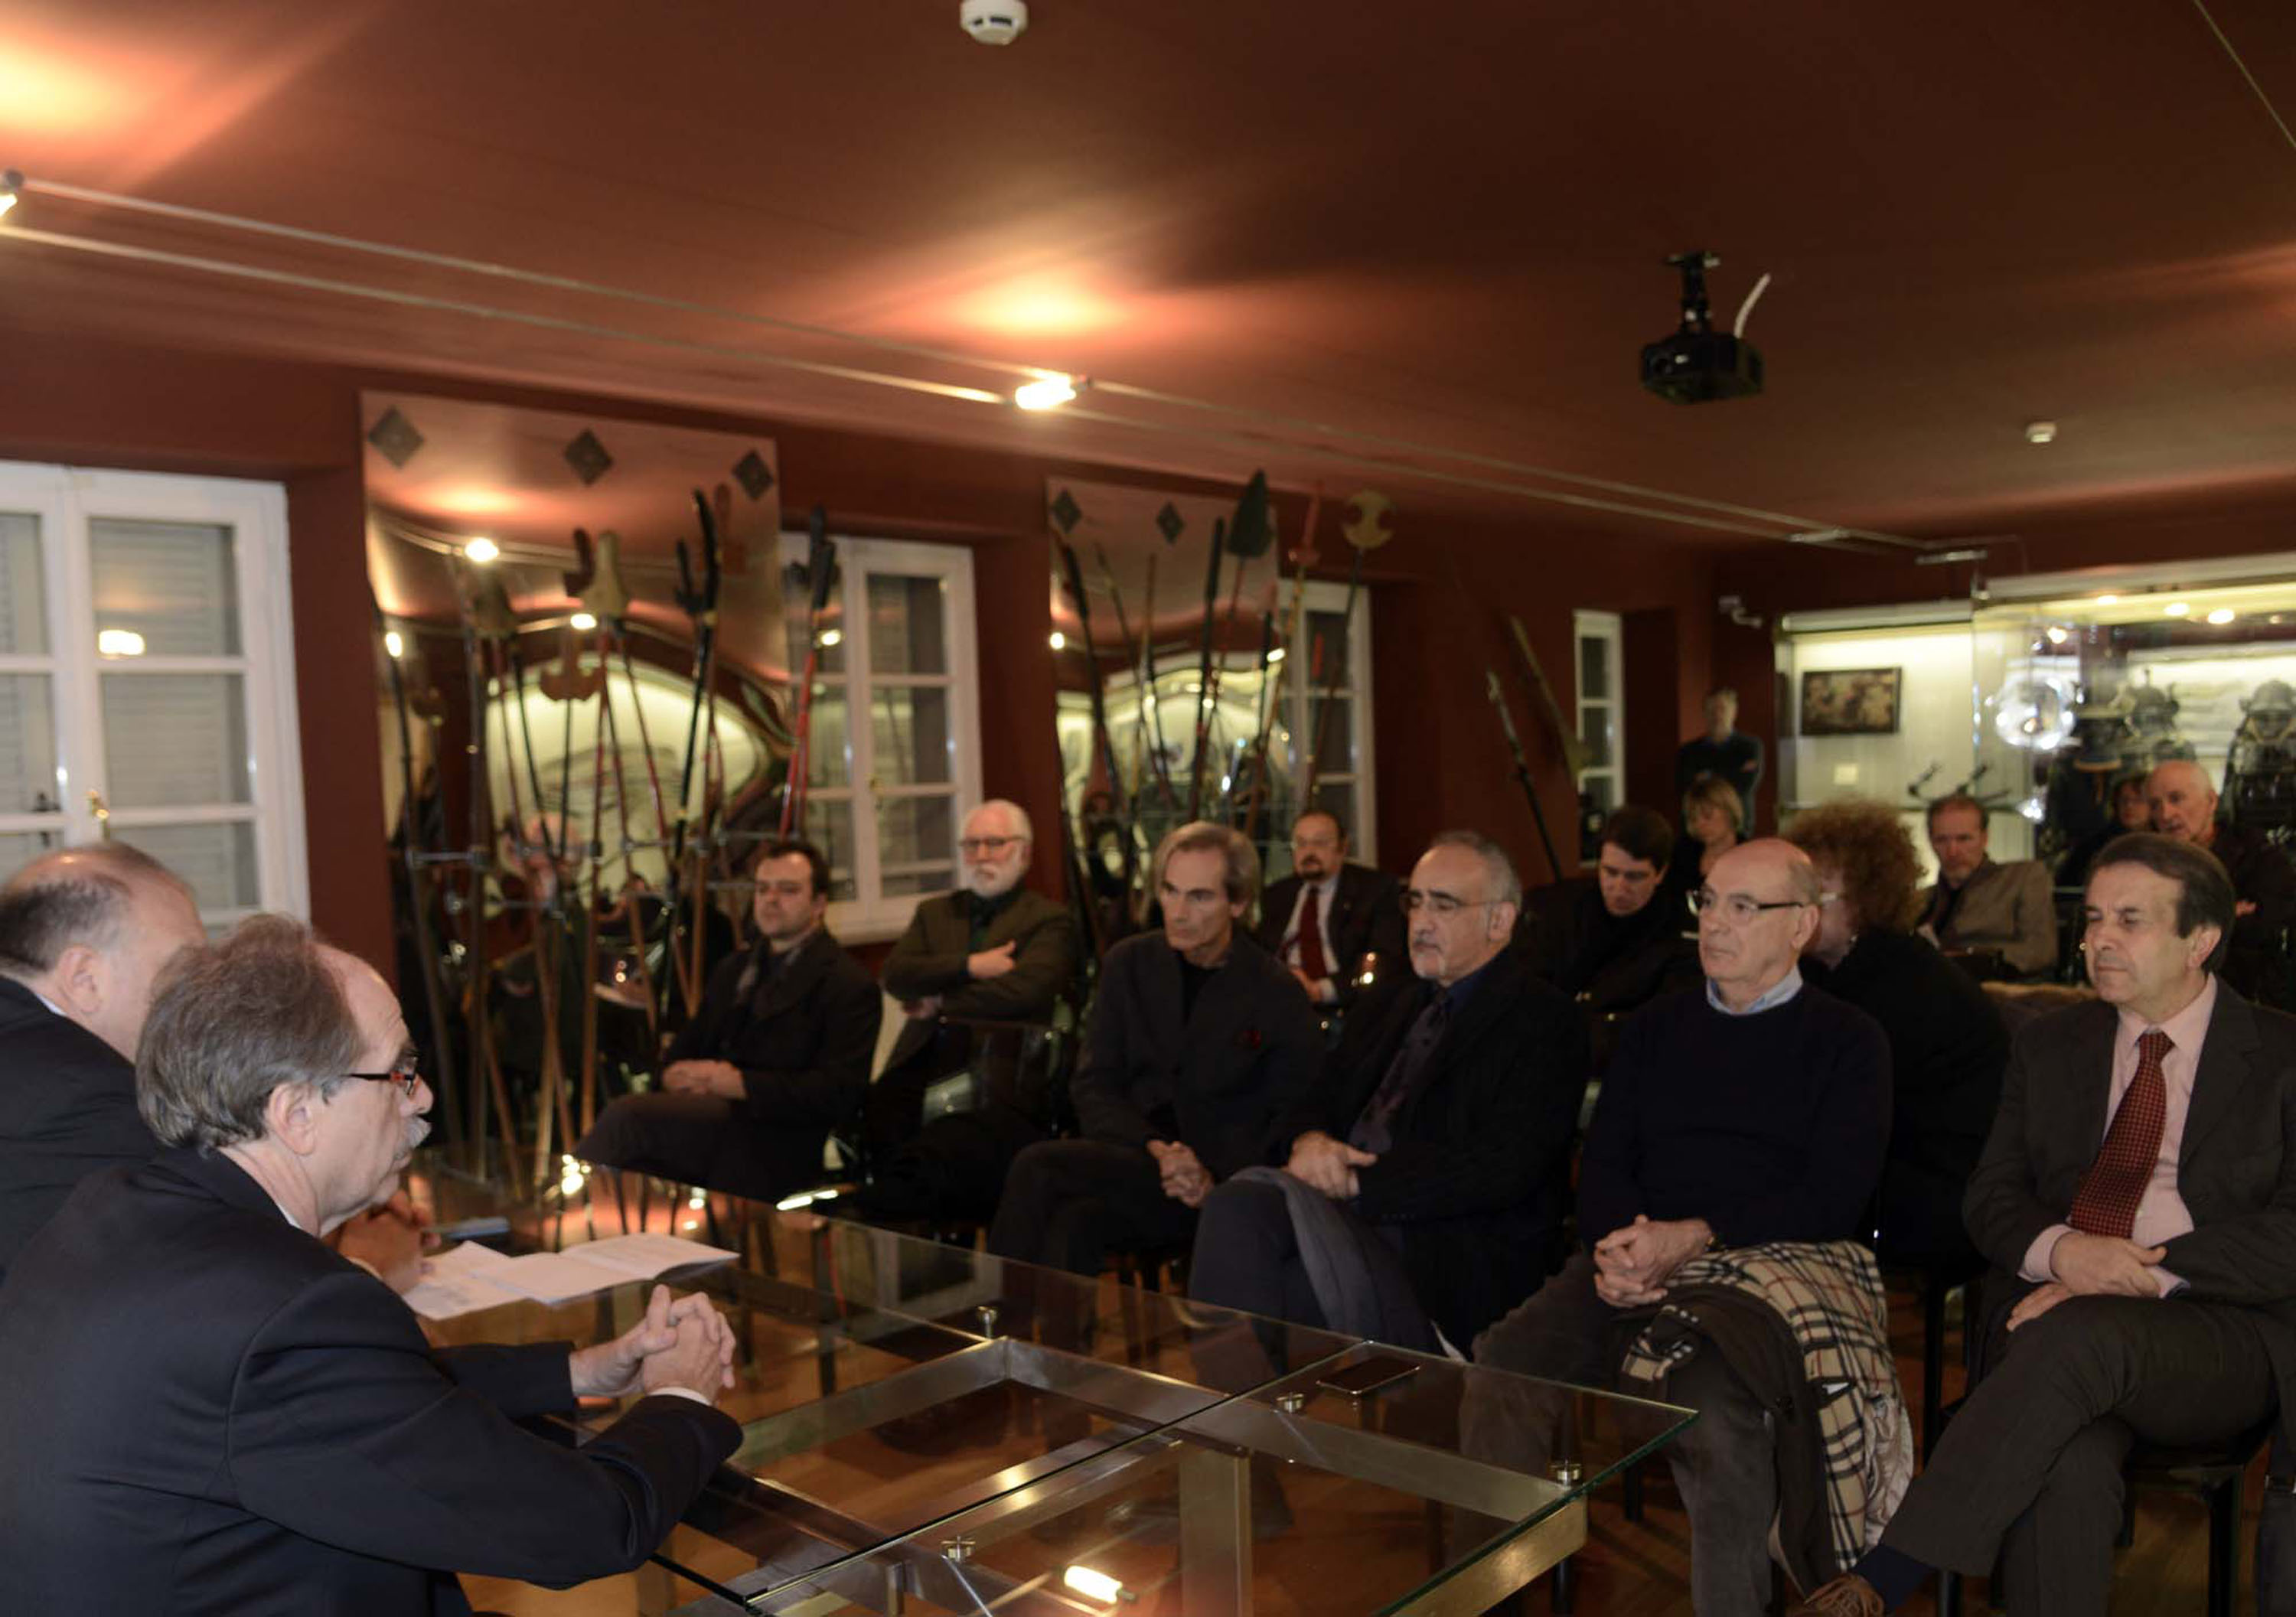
<point>1199,1043</point>
<point>1977,906</point>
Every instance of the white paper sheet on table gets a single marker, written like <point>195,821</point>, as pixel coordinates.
<point>455,1281</point>
<point>473,1277</point>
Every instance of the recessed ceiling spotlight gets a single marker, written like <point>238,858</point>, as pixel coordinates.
<point>2040,431</point>
<point>1060,641</point>
<point>2178,609</point>
<point>2223,615</point>
<point>483,550</point>
<point>1045,393</point>
<point>11,186</point>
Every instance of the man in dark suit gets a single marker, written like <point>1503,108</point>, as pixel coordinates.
<point>1424,1181</point>
<point>1199,1043</point>
<point>2138,1197</point>
<point>2184,804</point>
<point>1618,942</point>
<point>83,932</point>
<point>1324,919</point>
<point>992,951</point>
<point>777,1057</point>
<point>207,1411</point>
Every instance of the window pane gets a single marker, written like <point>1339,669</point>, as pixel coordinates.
<point>1330,667</point>
<point>1331,735</point>
<point>23,614</point>
<point>797,601</point>
<point>173,740</point>
<point>1600,792</point>
<point>912,736</point>
<point>908,629</point>
<point>828,760</point>
<point>217,860</point>
<point>28,745</point>
<point>169,584</point>
<point>1595,729</point>
<point>1339,798</point>
<point>920,832</point>
<point>1593,670</point>
<point>829,826</point>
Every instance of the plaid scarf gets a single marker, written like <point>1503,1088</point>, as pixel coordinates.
<point>1830,1297</point>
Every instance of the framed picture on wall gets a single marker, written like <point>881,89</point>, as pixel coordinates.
<point>1849,701</point>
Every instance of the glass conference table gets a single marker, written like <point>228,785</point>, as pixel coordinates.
<point>928,1429</point>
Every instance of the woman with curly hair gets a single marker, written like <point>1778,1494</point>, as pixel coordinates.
<point>1947,1043</point>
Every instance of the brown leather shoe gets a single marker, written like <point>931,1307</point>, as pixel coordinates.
<point>1847,1596</point>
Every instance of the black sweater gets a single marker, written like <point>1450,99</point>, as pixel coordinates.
<point>1770,1128</point>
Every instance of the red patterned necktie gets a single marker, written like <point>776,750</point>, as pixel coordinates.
<point>1312,965</point>
<point>2106,1202</point>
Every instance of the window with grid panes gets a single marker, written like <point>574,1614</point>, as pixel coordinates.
<point>1602,720</point>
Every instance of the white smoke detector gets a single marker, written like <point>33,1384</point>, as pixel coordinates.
<point>993,21</point>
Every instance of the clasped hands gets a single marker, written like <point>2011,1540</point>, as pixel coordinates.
<point>1186,1180</point>
<point>1327,1164</point>
<point>722,1079</point>
<point>1634,1261</point>
<point>683,1343</point>
<point>2092,1266</point>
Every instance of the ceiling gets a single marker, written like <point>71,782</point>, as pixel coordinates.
<point>1414,247</point>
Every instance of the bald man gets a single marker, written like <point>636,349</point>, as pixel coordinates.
<point>2184,804</point>
<point>83,934</point>
<point>1756,1111</point>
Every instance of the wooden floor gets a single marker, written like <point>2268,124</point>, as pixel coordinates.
<point>1628,1569</point>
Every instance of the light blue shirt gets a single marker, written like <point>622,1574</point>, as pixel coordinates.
<point>1784,989</point>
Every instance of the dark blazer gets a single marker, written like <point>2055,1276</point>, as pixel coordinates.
<point>1217,1080</point>
<point>2236,1171</point>
<point>1568,938</point>
<point>2254,961</point>
<point>67,1108</point>
<point>803,1038</point>
<point>930,960</point>
<point>209,1412</point>
<point>1366,918</point>
<point>1479,1177</point>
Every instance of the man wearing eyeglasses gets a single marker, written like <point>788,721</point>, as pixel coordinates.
<point>1752,1114</point>
<point>208,1411</point>
<point>1331,920</point>
<point>992,951</point>
<point>1423,1190</point>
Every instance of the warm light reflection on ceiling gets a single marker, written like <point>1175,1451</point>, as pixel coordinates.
<point>473,500</point>
<point>46,94</point>
<point>1037,309</point>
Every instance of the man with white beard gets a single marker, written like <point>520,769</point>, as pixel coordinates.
<point>992,951</point>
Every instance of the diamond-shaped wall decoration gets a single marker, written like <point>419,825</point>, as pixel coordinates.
<point>588,457</point>
<point>395,438</point>
<point>1066,512</point>
<point>1169,523</point>
<point>753,474</point>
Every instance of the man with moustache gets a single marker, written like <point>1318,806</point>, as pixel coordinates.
<point>1329,916</point>
<point>1752,1114</point>
<point>2184,804</point>
<point>991,952</point>
<point>1199,1042</point>
<point>1423,1190</point>
<point>208,1411</point>
<point>778,1055</point>
<point>2137,1199</point>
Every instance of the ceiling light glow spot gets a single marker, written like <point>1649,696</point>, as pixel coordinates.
<point>1045,393</point>
<point>2040,431</point>
<point>483,550</point>
<point>833,636</point>
<point>392,643</point>
<point>119,642</point>
<point>1060,641</point>
<point>1093,1585</point>
<point>583,621</point>
<point>2056,634</point>
<point>1277,655</point>
<point>2108,600</point>
<point>2223,615</point>
<point>2178,609</point>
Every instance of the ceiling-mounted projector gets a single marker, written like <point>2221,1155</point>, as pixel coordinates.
<point>1697,362</point>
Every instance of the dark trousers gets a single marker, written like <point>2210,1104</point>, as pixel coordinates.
<point>1725,1465</point>
<point>2030,1469</point>
<point>1921,1219</point>
<point>1247,1256</point>
<point>695,1139</point>
<point>956,1168</point>
<point>1066,1202</point>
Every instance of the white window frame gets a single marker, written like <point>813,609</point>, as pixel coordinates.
<point>873,915</point>
<point>1609,628</point>
<point>65,500</point>
<point>1302,700</point>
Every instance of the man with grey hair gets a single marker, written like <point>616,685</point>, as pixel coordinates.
<point>1200,1041</point>
<point>2184,804</point>
<point>83,932</point>
<point>1423,1188</point>
<point>991,952</point>
<point>290,1429</point>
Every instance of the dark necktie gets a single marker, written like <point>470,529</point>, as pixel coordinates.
<point>1372,1131</point>
<point>1312,964</point>
<point>2106,1203</point>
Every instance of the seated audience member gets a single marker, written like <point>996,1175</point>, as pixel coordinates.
<point>1330,917</point>
<point>207,1411</point>
<point>1977,905</point>
<point>1615,945</point>
<point>2134,1199</point>
<point>778,1055</point>
<point>1425,1172</point>
<point>83,934</point>
<point>2130,812</point>
<point>1200,1041</point>
<point>992,951</point>
<point>1714,816</point>
<point>2184,805</point>
<point>1754,1113</point>
<point>1947,1043</point>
